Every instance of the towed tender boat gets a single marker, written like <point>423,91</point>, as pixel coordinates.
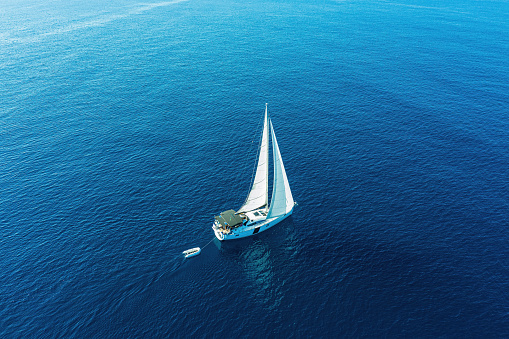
<point>192,252</point>
<point>256,215</point>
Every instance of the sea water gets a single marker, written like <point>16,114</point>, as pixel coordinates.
<point>126,126</point>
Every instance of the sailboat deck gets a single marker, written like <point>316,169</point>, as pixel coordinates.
<point>229,219</point>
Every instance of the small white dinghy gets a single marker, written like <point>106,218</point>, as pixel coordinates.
<point>192,252</point>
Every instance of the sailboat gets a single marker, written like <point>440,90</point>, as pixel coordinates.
<point>256,215</point>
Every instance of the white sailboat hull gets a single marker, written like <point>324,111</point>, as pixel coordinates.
<point>246,231</point>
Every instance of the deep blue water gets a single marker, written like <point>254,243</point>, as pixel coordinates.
<point>125,127</point>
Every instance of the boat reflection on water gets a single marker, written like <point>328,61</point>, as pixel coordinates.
<point>264,260</point>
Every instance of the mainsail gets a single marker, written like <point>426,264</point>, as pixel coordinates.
<point>282,201</point>
<point>259,194</point>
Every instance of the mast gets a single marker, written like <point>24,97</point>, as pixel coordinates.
<point>259,194</point>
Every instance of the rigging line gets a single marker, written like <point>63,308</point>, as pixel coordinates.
<point>240,173</point>
<point>255,165</point>
<point>208,243</point>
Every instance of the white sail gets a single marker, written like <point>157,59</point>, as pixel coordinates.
<point>259,194</point>
<point>282,201</point>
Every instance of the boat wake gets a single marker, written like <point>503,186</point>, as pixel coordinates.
<point>174,264</point>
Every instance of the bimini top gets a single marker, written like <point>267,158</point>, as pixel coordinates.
<point>229,218</point>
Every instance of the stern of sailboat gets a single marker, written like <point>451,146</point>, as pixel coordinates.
<point>227,222</point>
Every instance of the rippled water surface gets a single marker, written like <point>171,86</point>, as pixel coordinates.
<point>125,127</point>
